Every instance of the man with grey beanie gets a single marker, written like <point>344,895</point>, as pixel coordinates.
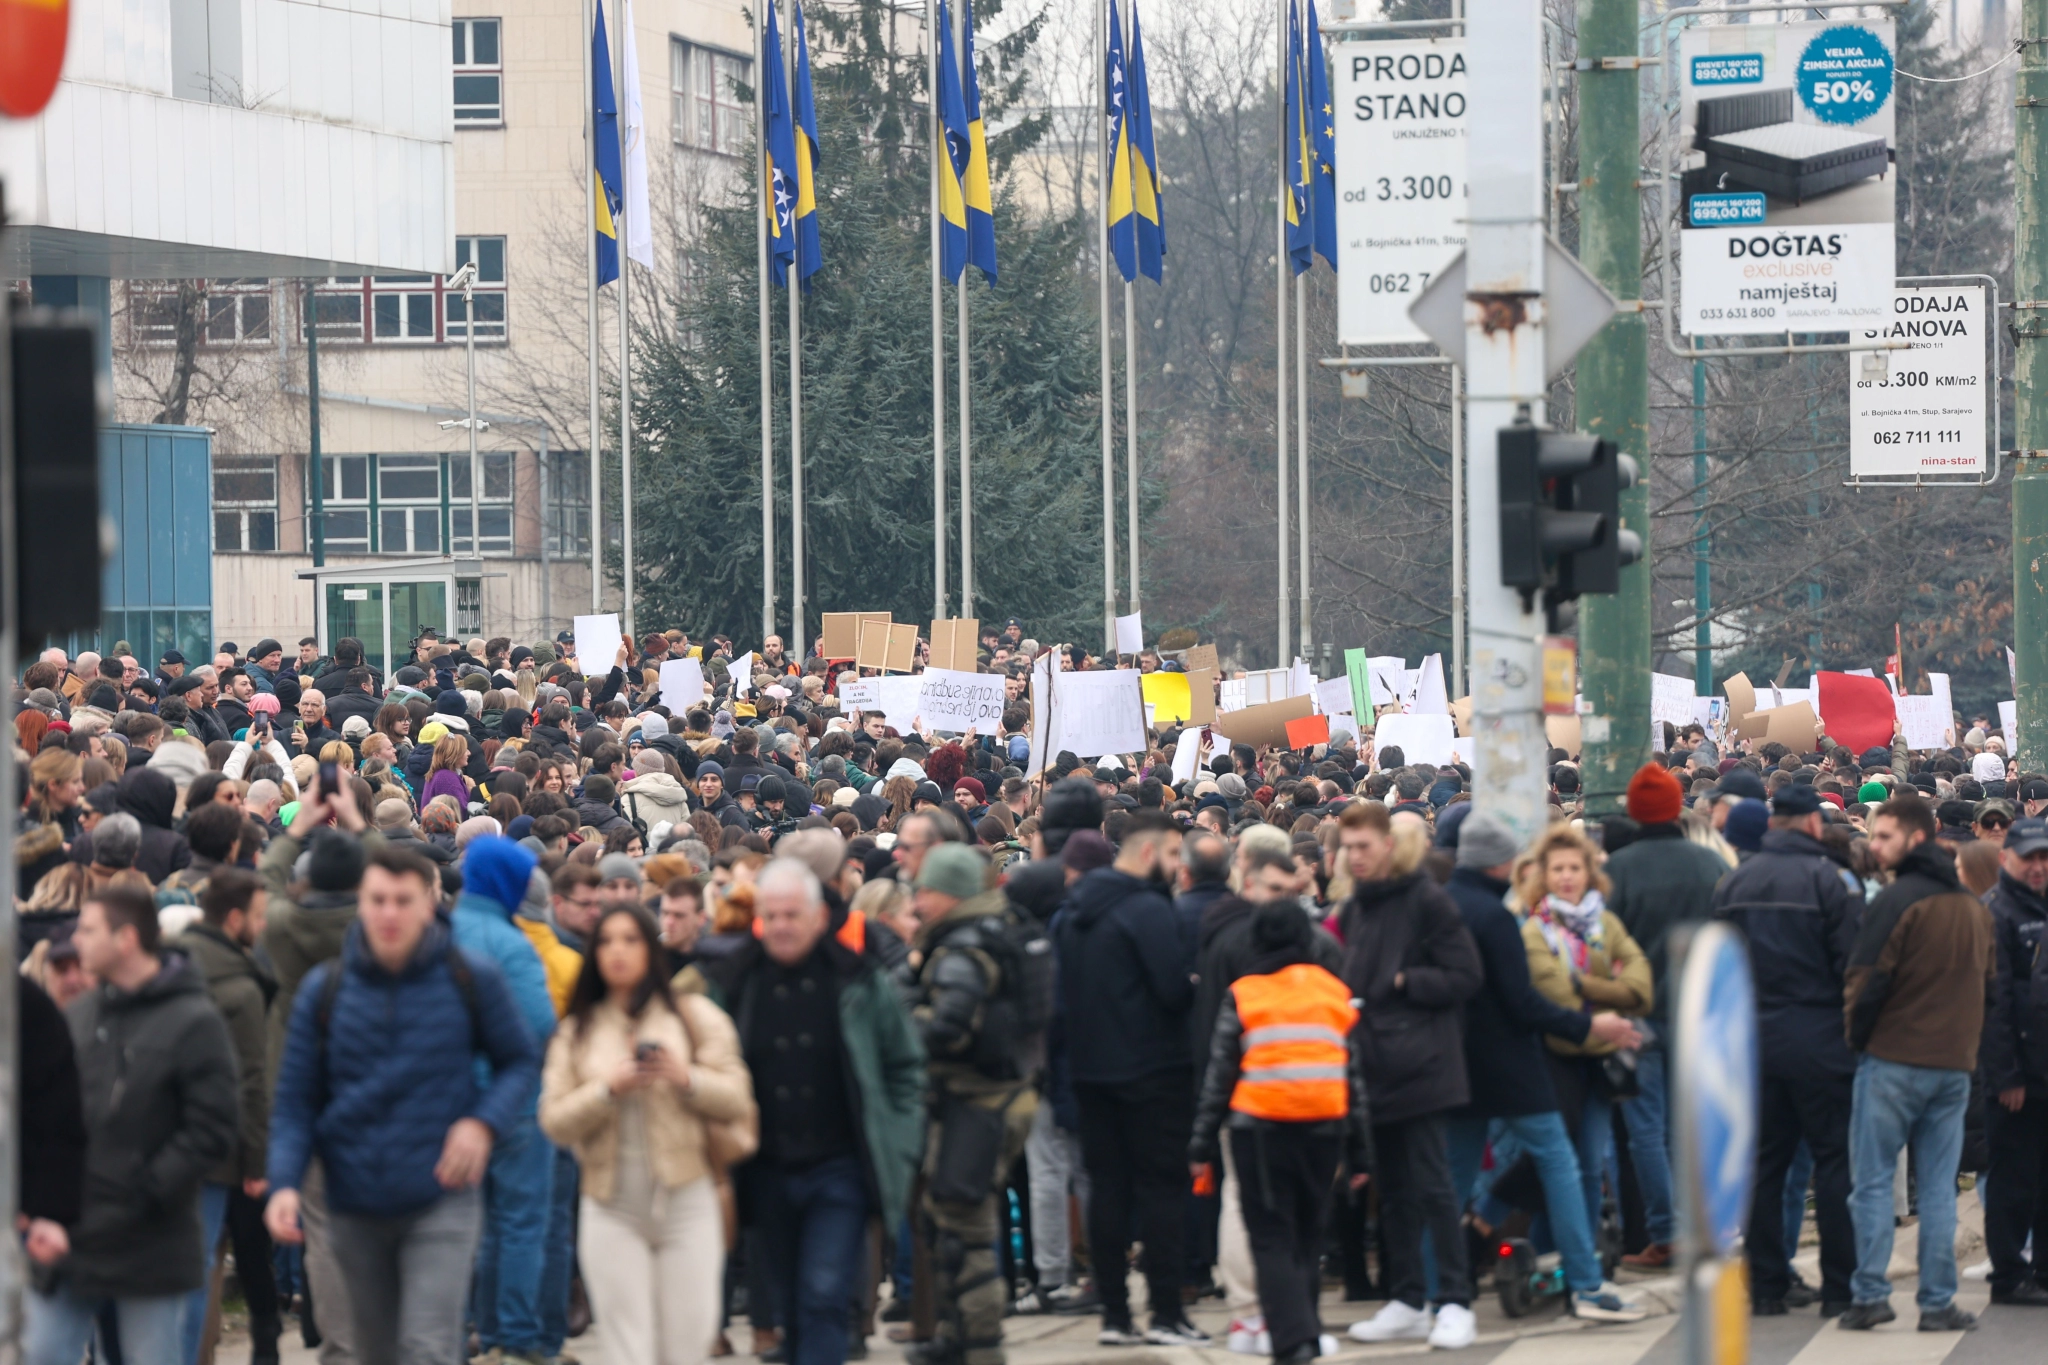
<point>1511,1090</point>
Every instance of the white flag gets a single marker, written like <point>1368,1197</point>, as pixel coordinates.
<point>633,141</point>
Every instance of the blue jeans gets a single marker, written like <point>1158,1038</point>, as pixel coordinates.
<point>512,1257</point>
<point>1544,1138</point>
<point>56,1327</point>
<point>1897,1105</point>
<point>814,1226</point>
<point>1649,1148</point>
<point>213,1212</point>
<point>559,1259</point>
<point>1596,1149</point>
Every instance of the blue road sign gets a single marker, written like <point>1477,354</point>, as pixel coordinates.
<point>1716,1070</point>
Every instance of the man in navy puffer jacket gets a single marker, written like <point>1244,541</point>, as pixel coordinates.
<point>495,873</point>
<point>378,1081</point>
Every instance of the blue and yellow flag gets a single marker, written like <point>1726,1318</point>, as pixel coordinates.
<point>981,208</point>
<point>953,154</point>
<point>605,201</point>
<point>1146,199</point>
<point>1294,152</point>
<point>1322,115</point>
<point>1123,236</point>
<point>808,255</point>
<point>782,164</point>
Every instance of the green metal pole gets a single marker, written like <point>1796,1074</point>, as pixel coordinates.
<point>1702,542</point>
<point>1614,399</point>
<point>2030,384</point>
<point>318,541</point>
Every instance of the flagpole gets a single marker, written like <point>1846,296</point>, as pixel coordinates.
<point>767,373</point>
<point>1303,638</point>
<point>590,261</point>
<point>1108,395</point>
<point>1131,427</point>
<point>959,17</point>
<point>937,139</point>
<point>619,46</point>
<point>1280,329</point>
<point>796,383</point>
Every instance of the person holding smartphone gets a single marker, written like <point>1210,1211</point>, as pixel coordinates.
<point>636,1080</point>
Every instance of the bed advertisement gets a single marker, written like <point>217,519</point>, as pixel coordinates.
<point>1786,182</point>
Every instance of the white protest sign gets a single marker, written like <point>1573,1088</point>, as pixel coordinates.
<point>1922,411</point>
<point>1937,683</point>
<point>682,684</point>
<point>862,694</point>
<point>897,699</point>
<point>2009,724</point>
<point>1333,698</point>
<point>1130,633</point>
<point>1421,739</point>
<point>1230,695</point>
<point>1671,699</point>
<point>1785,190</point>
<point>1431,698</point>
<point>597,643</point>
<point>742,671</point>
<point>1041,712</point>
<point>959,702</point>
<point>1388,674</point>
<point>1922,721</point>
<point>1187,754</point>
<point>1401,205</point>
<point>1097,713</point>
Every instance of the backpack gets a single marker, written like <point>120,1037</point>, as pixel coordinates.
<point>1020,1011</point>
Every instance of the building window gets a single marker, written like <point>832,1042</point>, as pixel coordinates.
<point>345,503</point>
<point>469,607</point>
<point>338,308</point>
<point>402,307</point>
<point>494,507</point>
<point>704,103</point>
<point>479,73</point>
<point>409,504</point>
<point>489,255</point>
<point>567,499</point>
<point>244,503</point>
<point>225,312</point>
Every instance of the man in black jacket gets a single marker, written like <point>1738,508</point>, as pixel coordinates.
<point>2016,1112</point>
<point>1412,966</point>
<point>52,1150</point>
<point>151,797</point>
<point>157,1076</point>
<point>1505,1024</point>
<point>1125,992</point>
<point>1799,910</point>
<point>356,697</point>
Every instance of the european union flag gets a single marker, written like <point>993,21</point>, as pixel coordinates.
<point>782,187</point>
<point>1123,238</point>
<point>605,200</point>
<point>1150,223</point>
<point>808,255</point>
<point>1294,151</point>
<point>981,211</point>
<point>1322,115</point>
<point>953,163</point>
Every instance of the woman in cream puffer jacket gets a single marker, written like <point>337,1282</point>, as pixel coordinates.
<point>633,1074</point>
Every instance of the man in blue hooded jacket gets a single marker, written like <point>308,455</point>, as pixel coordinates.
<point>495,874</point>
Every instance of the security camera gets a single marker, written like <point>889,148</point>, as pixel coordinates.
<point>465,278</point>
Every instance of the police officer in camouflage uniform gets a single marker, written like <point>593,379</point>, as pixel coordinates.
<point>983,1092</point>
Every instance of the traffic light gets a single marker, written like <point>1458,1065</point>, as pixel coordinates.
<point>1560,514</point>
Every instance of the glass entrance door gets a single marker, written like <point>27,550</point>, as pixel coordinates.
<point>358,609</point>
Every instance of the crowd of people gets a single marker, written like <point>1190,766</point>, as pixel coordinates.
<point>468,1006</point>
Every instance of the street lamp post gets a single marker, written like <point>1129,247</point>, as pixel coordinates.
<point>465,280</point>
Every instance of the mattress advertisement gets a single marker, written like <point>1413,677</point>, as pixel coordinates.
<point>1786,179</point>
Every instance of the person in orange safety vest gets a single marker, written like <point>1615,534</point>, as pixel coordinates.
<point>1283,1075</point>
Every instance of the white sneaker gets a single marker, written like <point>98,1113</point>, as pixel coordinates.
<point>1396,1322</point>
<point>1455,1328</point>
<point>1248,1336</point>
<point>1326,1345</point>
<point>1979,1271</point>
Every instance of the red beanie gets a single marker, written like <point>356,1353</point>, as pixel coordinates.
<point>1654,796</point>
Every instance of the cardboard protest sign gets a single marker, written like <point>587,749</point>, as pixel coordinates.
<point>1461,714</point>
<point>682,684</point>
<point>1420,738</point>
<point>1200,657</point>
<point>1308,731</point>
<point>871,643</point>
<point>842,631</point>
<point>1563,733</point>
<point>887,646</point>
<point>956,701</point>
<point>956,644</point>
<point>1202,696</point>
<point>1795,726</point>
<point>1167,694</point>
<point>597,643</point>
<point>1265,723</point>
<point>1857,711</point>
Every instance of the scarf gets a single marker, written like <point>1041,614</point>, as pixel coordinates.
<point>1574,931</point>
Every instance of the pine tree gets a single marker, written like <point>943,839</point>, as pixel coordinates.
<point>868,375</point>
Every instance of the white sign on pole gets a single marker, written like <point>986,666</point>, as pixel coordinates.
<point>1388,675</point>
<point>1093,714</point>
<point>951,700</point>
<point>1130,633</point>
<point>1333,698</point>
<point>1421,739</point>
<point>1401,205</point>
<point>1671,699</point>
<point>1922,411</point>
<point>1786,187</point>
<point>597,643</point>
<point>682,684</point>
<point>2009,724</point>
<point>862,694</point>
<point>1922,721</point>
